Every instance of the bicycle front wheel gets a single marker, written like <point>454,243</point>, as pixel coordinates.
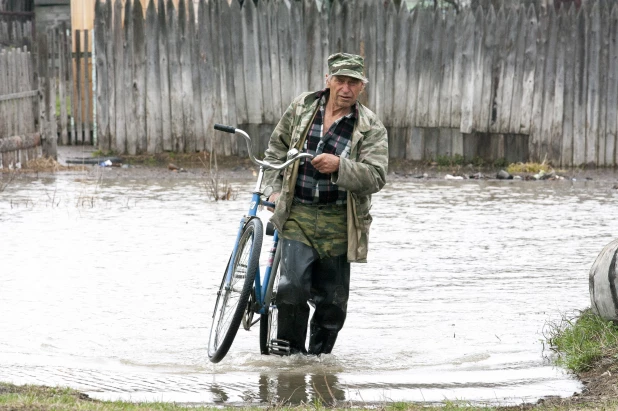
<point>234,292</point>
<point>268,321</point>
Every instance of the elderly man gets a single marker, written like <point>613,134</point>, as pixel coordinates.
<point>322,205</point>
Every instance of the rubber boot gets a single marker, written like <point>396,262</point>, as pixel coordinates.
<point>292,326</point>
<point>325,326</point>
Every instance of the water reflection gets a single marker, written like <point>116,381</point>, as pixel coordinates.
<point>293,389</point>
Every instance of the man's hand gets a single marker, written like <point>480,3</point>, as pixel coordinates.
<point>326,163</point>
<point>273,198</point>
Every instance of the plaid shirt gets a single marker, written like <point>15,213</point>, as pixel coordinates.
<point>313,187</point>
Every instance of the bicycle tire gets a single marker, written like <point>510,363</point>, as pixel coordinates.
<point>267,326</point>
<point>232,299</point>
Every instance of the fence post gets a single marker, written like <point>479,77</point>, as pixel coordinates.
<point>49,144</point>
<point>95,140</point>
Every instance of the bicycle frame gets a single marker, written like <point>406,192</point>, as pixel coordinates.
<point>251,297</point>
<point>256,202</point>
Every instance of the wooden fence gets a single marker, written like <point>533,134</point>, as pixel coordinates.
<point>17,29</point>
<point>510,83</point>
<point>65,70</point>
<point>19,137</point>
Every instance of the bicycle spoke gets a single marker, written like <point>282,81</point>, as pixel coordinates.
<point>234,293</point>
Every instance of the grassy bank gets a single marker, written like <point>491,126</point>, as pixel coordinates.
<point>584,341</point>
<point>31,398</point>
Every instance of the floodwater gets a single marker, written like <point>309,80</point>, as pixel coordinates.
<point>107,286</point>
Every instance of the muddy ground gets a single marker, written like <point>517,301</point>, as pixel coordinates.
<point>202,165</point>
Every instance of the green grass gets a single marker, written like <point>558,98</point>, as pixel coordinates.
<point>30,397</point>
<point>582,341</point>
<point>38,398</point>
<point>103,153</point>
<point>500,162</point>
<point>58,106</point>
<point>528,168</point>
<point>449,161</point>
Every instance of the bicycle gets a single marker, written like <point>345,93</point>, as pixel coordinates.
<point>242,292</point>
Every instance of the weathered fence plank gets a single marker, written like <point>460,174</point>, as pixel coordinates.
<point>593,73</point>
<point>390,85</point>
<point>107,139</point>
<point>315,70</point>
<point>139,78</point>
<point>468,62</point>
<point>400,70</point>
<point>273,47</point>
<point>557,117</point>
<point>87,90</point>
<point>102,88</point>
<point>433,117</point>
<point>605,156</point>
<point>199,138</point>
<point>378,89</point>
<point>164,73</point>
<point>566,151</point>
<point>536,121</point>
<point>446,80</point>
<point>508,66</point>
<point>232,80</point>
<point>119,137</point>
<point>498,80</point>
<point>413,68</point>
<point>369,28</point>
<point>176,97</point>
<point>530,55</point>
<point>548,94</point>
<point>49,142</point>
<point>458,72</point>
<point>4,110</point>
<point>266,111</point>
<point>153,82</point>
<point>285,56</point>
<point>63,78</point>
<point>612,91</point>
<point>186,67</point>
<point>298,47</point>
<point>485,92</point>
<point>580,87</point>
<point>251,67</point>
<point>518,72</point>
<point>130,145</point>
<point>425,65</point>
<point>218,85</point>
<point>207,79</point>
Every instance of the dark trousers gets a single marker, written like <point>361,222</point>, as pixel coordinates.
<point>326,283</point>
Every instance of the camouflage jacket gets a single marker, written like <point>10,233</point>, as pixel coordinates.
<point>362,174</point>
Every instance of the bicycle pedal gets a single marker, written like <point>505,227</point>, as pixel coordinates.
<point>279,347</point>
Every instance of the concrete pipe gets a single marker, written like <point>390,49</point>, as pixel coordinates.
<point>603,294</point>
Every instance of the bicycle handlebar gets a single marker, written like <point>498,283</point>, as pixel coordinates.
<point>227,129</point>
<point>292,156</point>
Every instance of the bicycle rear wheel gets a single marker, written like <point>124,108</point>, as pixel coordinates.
<point>233,294</point>
<point>268,321</point>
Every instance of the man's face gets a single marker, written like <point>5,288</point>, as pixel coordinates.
<point>344,90</point>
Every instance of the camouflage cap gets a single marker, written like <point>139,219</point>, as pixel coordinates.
<point>344,64</point>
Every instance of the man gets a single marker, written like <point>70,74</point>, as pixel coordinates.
<point>322,205</point>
